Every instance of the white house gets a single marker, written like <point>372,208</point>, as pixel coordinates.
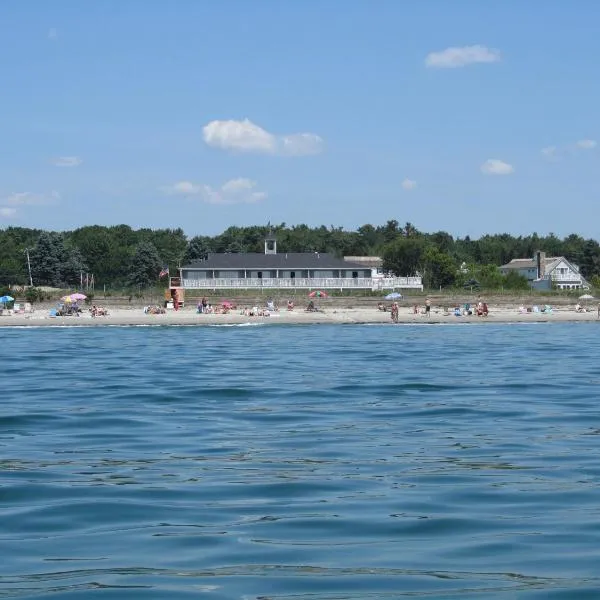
<point>286,270</point>
<point>545,272</point>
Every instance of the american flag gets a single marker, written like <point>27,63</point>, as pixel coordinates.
<point>165,271</point>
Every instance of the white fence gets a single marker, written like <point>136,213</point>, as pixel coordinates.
<point>365,283</point>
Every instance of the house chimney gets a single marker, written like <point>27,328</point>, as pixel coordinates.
<point>540,259</point>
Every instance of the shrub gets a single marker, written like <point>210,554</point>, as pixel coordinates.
<point>33,295</point>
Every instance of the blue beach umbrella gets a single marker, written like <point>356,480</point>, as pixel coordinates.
<point>393,296</point>
<point>5,299</point>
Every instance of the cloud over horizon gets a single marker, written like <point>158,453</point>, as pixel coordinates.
<point>455,57</point>
<point>246,136</point>
<point>409,184</point>
<point>234,191</point>
<point>10,204</point>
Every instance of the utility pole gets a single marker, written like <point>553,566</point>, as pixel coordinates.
<point>29,267</point>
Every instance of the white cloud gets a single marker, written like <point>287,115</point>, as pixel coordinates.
<point>7,212</point>
<point>550,152</point>
<point>454,57</point>
<point>493,166</point>
<point>184,188</point>
<point>246,136</point>
<point>30,199</point>
<point>52,34</point>
<point>234,191</point>
<point>301,144</point>
<point>409,184</point>
<point>67,161</point>
<point>586,144</point>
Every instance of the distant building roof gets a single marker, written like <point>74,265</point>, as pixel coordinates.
<point>257,260</point>
<point>528,263</point>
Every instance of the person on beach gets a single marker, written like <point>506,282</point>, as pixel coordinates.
<point>428,307</point>
<point>394,312</point>
<point>176,300</point>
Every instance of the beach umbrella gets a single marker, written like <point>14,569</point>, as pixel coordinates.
<point>586,297</point>
<point>78,296</point>
<point>227,304</point>
<point>393,296</point>
<point>5,299</point>
<point>318,294</point>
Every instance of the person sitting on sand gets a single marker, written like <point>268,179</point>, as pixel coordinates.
<point>311,307</point>
<point>290,305</point>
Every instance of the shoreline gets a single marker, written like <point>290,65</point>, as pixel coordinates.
<point>344,316</point>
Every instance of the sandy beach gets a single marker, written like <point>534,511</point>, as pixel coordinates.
<point>135,316</point>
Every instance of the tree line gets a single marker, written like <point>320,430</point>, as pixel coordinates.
<point>119,256</point>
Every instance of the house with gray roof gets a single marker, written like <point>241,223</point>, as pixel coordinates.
<point>271,269</point>
<point>545,272</point>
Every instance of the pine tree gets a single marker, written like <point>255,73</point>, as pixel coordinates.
<point>145,265</point>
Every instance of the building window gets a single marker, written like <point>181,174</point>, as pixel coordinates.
<point>293,274</point>
<point>259,274</point>
<point>354,274</point>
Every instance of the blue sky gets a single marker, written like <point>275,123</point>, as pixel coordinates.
<point>470,117</point>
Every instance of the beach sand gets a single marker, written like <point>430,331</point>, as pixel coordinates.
<point>367,315</point>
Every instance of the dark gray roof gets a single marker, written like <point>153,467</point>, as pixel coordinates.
<point>258,260</point>
<point>528,263</point>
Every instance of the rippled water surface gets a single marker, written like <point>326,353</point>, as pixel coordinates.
<point>334,462</point>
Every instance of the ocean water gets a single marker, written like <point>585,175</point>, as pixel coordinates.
<point>308,462</point>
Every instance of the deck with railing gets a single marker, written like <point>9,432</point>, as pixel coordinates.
<point>366,283</point>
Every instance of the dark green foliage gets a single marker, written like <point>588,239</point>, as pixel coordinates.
<point>197,249</point>
<point>439,269</point>
<point>34,295</point>
<point>114,257</point>
<point>145,266</point>
<point>403,256</point>
<point>54,263</point>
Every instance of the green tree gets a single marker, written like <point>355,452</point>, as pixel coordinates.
<point>403,256</point>
<point>145,265</point>
<point>438,268</point>
<point>489,277</point>
<point>196,249</point>
<point>46,260</point>
<point>595,281</point>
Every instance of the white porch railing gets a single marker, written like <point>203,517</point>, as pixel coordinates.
<point>307,283</point>
<point>574,277</point>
